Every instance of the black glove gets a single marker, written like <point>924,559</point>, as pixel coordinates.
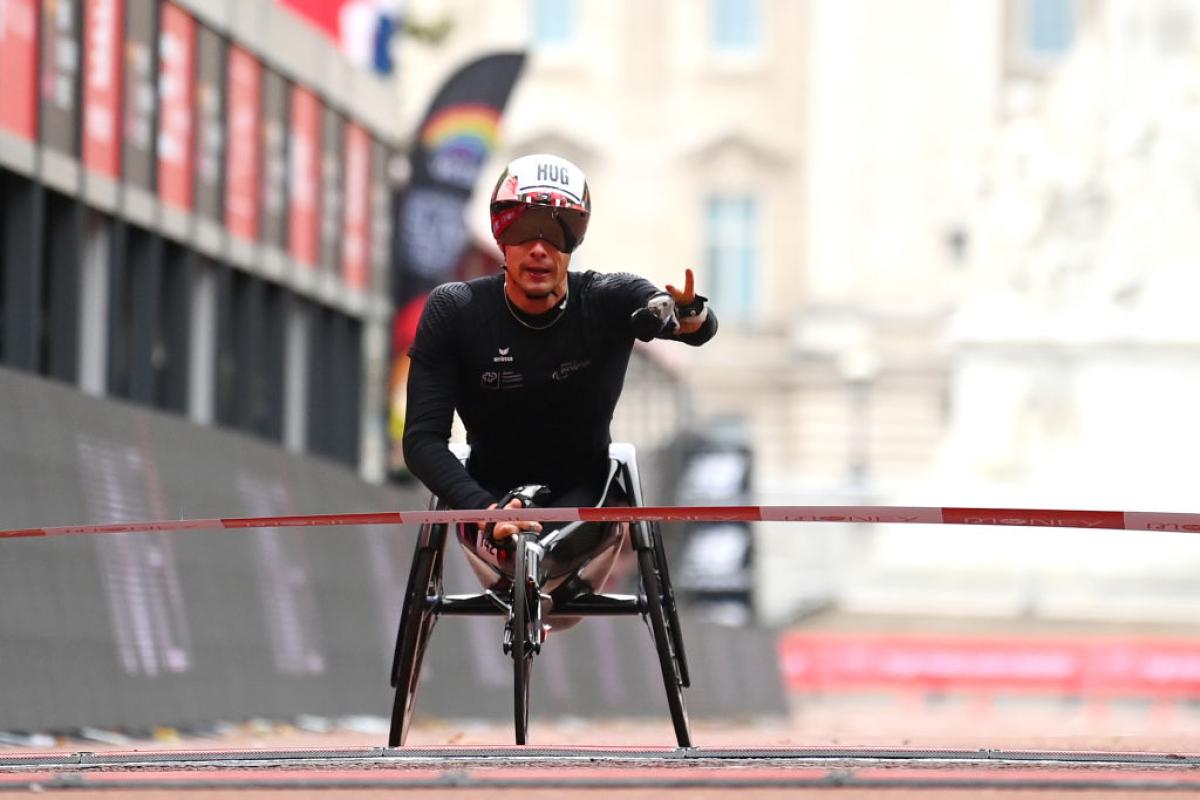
<point>656,319</point>
<point>693,308</point>
<point>529,495</point>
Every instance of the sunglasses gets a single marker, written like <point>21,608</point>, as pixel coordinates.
<point>517,223</point>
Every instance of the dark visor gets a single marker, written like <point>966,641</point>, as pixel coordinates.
<point>561,227</point>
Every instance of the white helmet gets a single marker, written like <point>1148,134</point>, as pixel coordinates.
<point>541,197</point>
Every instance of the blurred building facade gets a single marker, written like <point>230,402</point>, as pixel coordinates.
<point>694,122</point>
<point>919,224</point>
<point>745,140</point>
<point>1074,353</point>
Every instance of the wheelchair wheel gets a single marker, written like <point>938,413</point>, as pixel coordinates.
<point>522,638</point>
<point>416,623</point>
<point>664,643</point>
<point>668,602</point>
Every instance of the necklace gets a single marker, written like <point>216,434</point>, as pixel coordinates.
<point>562,308</point>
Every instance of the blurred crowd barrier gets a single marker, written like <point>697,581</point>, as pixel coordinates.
<point>1138,667</point>
<point>137,630</point>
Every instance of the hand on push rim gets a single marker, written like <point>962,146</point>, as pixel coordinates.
<point>504,530</point>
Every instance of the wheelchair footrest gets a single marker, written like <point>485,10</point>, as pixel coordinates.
<point>472,605</point>
<point>589,604</point>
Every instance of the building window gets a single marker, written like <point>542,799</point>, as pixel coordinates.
<point>553,22</point>
<point>732,257</point>
<point>335,375</point>
<point>250,362</point>
<point>1048,26</point>
<point>735,25</point>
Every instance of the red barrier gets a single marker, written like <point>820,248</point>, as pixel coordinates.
<point>1038,518</point>
<point>1142,667</point>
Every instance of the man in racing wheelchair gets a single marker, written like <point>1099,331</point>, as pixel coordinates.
<point>533,360</point>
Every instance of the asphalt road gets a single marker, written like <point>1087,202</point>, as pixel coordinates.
<point>863,753</point>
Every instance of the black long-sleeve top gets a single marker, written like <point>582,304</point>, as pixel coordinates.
<point>535,392</point>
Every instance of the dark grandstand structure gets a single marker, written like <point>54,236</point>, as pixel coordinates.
<point>195,216</point>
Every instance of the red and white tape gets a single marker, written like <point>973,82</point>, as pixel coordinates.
<point>1023,517</point>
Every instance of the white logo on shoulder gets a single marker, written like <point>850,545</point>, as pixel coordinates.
<point>504,357</point>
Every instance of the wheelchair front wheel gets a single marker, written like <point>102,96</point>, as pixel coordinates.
<point>416,623</point>
<point>664,644</point>
<point>524,618</point>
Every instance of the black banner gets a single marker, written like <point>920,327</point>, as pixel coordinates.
<point>457,135</point>
<point>715,571</point>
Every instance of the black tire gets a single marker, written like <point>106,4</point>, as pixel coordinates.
<point>522,647</point>
<point>664,644</point>
<point>668,597</point>
<point>416,623</point>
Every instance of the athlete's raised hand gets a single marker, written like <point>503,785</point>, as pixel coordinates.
<point>688,295</point>
<point>691,308</point>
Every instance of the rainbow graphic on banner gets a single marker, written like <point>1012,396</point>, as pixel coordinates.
<point>471,126</point>
<point>458,139</point>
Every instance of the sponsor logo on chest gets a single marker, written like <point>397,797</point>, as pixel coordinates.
<point>568,368</point>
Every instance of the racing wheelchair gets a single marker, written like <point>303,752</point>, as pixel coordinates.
<point>521,601</point>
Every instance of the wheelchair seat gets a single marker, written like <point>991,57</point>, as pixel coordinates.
<point>579,555</point>
<point>624,453</point>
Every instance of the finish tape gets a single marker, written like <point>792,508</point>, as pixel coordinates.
<point>1021,517</point>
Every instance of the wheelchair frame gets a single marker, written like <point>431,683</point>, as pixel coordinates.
<point>425,601</point>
